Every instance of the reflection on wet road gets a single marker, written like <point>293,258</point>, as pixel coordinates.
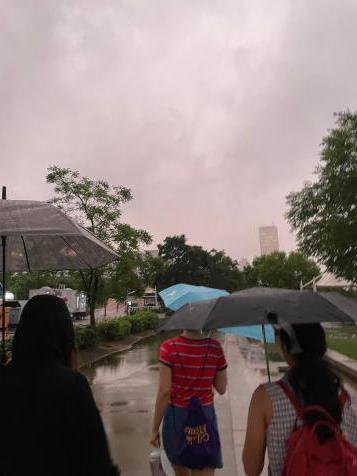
<point>124,387</point>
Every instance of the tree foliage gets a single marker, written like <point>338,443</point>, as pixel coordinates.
<point>97,206</point>
<point>179,262</point>
<point>279,270</point>
<point>21,283</point>
<point>324,213</point>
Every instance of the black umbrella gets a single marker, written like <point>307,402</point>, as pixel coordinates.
<point>264,306</point>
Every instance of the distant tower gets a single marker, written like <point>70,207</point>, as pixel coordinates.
<point>269,240</point>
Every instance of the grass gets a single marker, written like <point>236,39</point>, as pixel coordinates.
<point>341,339</point>
<point>344,340</point>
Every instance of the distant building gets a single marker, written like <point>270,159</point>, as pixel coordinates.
<point>153,253</point>
<point>269,240</point>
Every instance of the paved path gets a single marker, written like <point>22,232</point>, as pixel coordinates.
<point>244,375</point>
<point>243,379</point>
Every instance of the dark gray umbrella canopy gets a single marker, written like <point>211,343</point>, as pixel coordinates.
<point>40,237</point>
<point>253,306</point>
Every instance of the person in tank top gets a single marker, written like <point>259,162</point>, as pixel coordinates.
<point>272,417</point>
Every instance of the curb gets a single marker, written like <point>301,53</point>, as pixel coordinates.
<point>117,351</point>
<point>342,367</point>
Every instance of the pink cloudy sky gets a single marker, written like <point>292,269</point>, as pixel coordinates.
<point>210,110</point>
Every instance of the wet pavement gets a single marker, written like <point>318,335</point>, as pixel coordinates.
<point>124,387</point>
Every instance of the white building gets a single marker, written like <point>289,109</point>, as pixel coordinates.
<point>269,240</point>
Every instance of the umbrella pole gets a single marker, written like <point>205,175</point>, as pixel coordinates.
<point>3,243</point>
<point>266,352</point>
<point>3,351</point>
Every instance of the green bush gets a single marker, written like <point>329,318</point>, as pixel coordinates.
<point>114,329</point>
<point>86,337</point>
<point>158,310</point>
<point>143,320</point>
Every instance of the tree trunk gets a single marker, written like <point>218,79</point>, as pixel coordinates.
<point>93,298</point>
<point>92,314</point>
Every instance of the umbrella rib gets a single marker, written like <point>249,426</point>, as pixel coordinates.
<point>27,258</point>
<point>213,308</point>
<point>78,254</point>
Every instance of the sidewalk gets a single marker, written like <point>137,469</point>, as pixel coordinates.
<point>242,381</point>
<point>244,375</point>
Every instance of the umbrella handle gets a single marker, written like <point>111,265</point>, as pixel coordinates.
<point>266,352</point>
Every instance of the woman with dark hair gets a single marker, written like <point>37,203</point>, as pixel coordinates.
<point>50,424</point>
<point>272,417</point>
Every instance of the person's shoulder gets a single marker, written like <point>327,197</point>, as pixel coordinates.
<point>74,382</point>
<point>261,393</point>
<point>167,343</point>
<point>68,377</point>
<point>215,344</point>
<point>261,402</point>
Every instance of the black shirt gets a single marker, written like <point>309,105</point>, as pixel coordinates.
<point>49,423</point>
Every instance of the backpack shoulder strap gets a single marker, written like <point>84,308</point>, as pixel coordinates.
<point>302,410</point>
<point>344,397</point>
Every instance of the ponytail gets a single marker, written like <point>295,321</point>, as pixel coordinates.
<point>311,378</point>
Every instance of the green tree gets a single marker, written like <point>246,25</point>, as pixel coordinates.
<point>279,270</point>
<point>97,206</point>
<point>224,272</point>
<point>189,264</point>
<point>152,268</point>
<point>21,283</point>
<point>324,213</point>
<point>184,263</point>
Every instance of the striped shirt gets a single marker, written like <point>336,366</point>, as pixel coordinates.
<point>194,363</point>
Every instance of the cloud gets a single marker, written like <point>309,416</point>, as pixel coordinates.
<point>210,111</point>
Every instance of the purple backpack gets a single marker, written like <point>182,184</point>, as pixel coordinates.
<point>198,442</point>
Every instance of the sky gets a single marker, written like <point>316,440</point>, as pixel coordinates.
<point>211,111</point>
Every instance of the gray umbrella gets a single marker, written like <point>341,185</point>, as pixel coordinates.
<point>41,237</point>
<point>37,236</point>
<point>257,305</point>
<point>264,306</point>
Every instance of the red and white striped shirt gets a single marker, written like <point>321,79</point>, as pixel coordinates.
<point>194,363</point>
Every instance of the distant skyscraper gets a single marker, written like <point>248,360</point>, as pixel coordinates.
<point>269,241</point>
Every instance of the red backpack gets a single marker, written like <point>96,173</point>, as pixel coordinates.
<point>306,456</point>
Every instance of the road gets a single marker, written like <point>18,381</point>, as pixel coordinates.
<point>113,310</point>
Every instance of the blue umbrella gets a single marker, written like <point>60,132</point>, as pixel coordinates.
<point>252,332</point>
<point>178,295</point>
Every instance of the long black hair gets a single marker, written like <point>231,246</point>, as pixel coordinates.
<point>45,331</point>
<point>311,378</point>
